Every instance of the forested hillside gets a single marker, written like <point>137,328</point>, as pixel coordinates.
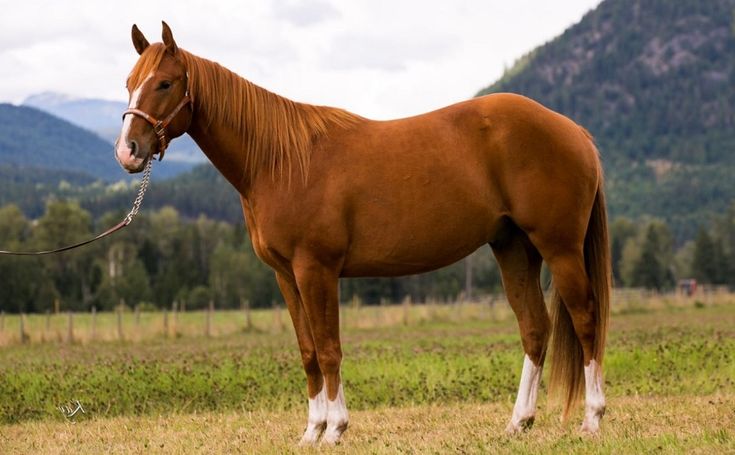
<point>31,140</point>
<point>103,117</point>
<point>29,137</point>
<point>29,187</point>
<point>654,81</point>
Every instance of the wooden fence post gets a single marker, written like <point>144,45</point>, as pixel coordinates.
<point>175,310</point>
<point>468,278</point>
<point>382,316</point>
<point>356,304</point>
<point>47,331</point>
<point>70,327</point>
<point>137,316</point>
<point>210,309</point>
<point>406,309</point>
<point>119,323</point>
<point>23,335</point>
<point>277,315</point>
<point>165,322</point>
<point>429,304</point>
<point>343,315</point>
<point>94,322</point>
<point>491,306</point>
<point>245,305</point>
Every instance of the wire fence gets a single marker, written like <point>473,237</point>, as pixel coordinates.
<point>135,325</point>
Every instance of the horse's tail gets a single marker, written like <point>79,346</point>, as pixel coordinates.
<point>567,368</point>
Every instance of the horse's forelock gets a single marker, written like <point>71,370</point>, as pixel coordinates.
<point>148,62</point>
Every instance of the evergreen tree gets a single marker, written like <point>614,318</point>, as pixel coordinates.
<point>703,265</point>
<point>621,230</point>
<point>650,271</point>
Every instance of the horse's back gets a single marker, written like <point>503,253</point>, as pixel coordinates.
<point>415,194</point>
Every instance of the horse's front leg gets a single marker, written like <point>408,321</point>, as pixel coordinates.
<point>317,420</point>
<point>317,285</point>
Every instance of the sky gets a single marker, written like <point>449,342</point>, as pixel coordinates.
<point>379,58</point>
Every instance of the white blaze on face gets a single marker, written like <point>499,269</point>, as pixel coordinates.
<point>123,150</point>
<point>594,406</point>
<point>524,410</point>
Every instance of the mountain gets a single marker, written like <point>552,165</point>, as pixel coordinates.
<point>654,81</point>
<point>31,138</point>
<point>99,116</point>
<point>103,117</point>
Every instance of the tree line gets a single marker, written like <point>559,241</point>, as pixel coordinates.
<point>163,258</point>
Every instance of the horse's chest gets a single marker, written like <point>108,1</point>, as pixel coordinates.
<point>257,236</point>
<point>266,247</point>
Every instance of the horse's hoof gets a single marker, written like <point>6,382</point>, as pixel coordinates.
<point>311,435</point>
<point>520,426</point>
<point>333,434</point>
<point>592,418</point>
<point>308,441</point>
<point>590,428</point>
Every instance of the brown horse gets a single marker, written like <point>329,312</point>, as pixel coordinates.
<point>329,194</point>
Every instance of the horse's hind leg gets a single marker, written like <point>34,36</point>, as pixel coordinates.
<point>520,265</point>
<point>573,285</point>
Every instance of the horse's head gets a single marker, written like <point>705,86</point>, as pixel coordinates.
<point>160,107</point>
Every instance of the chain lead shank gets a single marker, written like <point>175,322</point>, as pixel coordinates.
<point>141,192</point>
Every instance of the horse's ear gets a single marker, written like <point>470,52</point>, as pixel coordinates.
<point>139,40</point>
<point>168,39</point>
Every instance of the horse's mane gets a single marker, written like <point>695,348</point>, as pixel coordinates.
<point>274,130</point>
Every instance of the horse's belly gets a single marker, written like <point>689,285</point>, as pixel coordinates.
<point>418,241</point>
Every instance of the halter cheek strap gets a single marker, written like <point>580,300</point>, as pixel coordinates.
<point>159,126</point>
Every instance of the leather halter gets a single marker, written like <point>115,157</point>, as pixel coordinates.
<point>159,126</point>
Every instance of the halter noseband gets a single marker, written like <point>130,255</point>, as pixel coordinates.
<point>159,126</point>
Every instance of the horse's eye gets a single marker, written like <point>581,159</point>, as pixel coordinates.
<point>164,85</point>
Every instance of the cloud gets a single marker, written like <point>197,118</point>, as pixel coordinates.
<point>380,58</point>
<point>350,51</point>
<point>305,13</point>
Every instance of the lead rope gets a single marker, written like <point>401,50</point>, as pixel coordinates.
<point>144,181</point>
<point>141,192</point>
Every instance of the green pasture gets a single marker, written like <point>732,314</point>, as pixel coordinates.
<point>476,357</point>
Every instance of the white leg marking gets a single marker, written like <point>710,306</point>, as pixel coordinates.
<point>337,418</point>
<point>317,418</point>
<point>594,406</point>
<point>524,410</point>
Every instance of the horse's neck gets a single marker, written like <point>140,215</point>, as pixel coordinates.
<point>223,148</point>
<point>251,131</point>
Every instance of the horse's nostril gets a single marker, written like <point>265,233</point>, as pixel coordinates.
<point>133,147</point>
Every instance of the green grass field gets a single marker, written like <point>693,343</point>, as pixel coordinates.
<point>441,380</point>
